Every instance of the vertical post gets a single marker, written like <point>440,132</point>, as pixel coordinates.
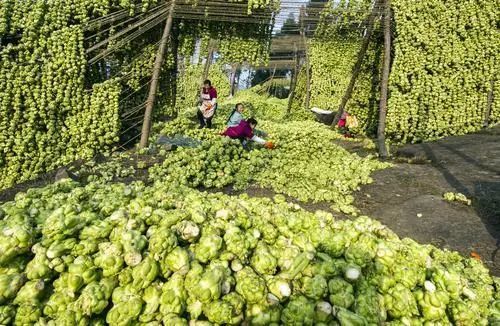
<point>486,122</point>
<point>382,148</point>
<point>232,82</point>
<point>357,67</point>
<point>306,50</point>
<point>208,62</point>
<point>293,82</point>
<point>270,83</point>
<point>146,125</point>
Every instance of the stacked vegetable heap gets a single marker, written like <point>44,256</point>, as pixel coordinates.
<point>136,255</point>
<point>305,165</point>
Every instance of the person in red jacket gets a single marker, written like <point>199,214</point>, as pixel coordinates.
<point>208,99</point>
<point>244,131</point>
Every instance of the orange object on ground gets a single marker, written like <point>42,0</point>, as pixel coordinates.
<point>475,255</point>
<point>269,145</point>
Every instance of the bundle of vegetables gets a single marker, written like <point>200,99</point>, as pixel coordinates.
<point>458,197</point>
<point>115,167</point>
<point>170,254</point>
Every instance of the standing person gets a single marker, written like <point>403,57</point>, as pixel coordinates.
<point>244,131</point>
<point>208,105</point>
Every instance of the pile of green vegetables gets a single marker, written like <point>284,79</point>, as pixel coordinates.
<point>135,255</point>
<point>306,164</point>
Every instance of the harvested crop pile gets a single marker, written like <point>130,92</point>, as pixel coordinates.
<point>135,255</point>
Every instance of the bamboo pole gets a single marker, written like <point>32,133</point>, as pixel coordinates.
<point>208,62</point>
<point>489,104</point>
<point>384,87</point>
<point>293,82</point>
<point>357,67</point>
<point>307,63</point>
<point>234,69</point>
<point>146,126</point>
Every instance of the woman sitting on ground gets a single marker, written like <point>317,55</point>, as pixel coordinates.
<point>244,131</point>
<point>236,117</point>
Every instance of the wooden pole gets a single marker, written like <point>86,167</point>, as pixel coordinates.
<point>357,67</point>
<point>234,68</point>
<point>208,62</point>
<point>270,83</point>
<point>293,82</point>
<point>146,125</point>
<point>308,67</point>
<point>384,87</point>
<point>489,104</point>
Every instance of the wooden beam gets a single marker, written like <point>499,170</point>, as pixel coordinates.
<point>489,104</point>
<point>160,55</point>
<point>384,87</point>
<point>359,61</point>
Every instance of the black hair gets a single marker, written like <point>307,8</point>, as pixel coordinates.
<point>207,81</point>
<point>252,121</point>
<point>238,104</point>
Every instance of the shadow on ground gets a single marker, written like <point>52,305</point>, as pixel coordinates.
<point>468,164</point>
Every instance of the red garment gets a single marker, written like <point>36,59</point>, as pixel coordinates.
<point>242,130</point>
<point>212,92</point>
<point>342,123</point>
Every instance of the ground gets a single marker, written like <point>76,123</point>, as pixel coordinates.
<point>468,164</point>
<point>408,197</point>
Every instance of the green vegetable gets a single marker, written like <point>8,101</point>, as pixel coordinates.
<point>109,258</point>
<point>341,293</point>
<point>314,287</point>
<point>94,297</point>
<point>177,261</point>
<point>298,311</point>
<point>144,273</point>
<point>27,314</point>
<point>208,247</point>
<point>347,317</point>
<point>30,293</point>
<point>151,297</point>
<point>9,286</point>
<point>7,314</point>
<point>209,286</point>
<point>161,242</point>
<point>399,302</point>
<point>250,286</point>
<point>262,261</point>
<point>222,312</point>
<point>173,298</point>
<point>279,288</point>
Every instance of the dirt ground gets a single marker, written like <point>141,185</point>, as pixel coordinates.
<point>468,164</point>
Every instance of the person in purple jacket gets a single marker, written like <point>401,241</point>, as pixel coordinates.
<point>244,131</point>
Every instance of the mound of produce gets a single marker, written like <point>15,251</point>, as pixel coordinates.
<point>135,255</point>
<point>305,165</point>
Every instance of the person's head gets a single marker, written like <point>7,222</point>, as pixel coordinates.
<point>239,107</point>
<point>207,84</point>
<point>252,122</point>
